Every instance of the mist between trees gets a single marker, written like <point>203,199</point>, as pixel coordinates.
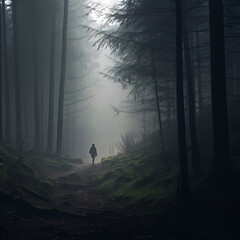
<point>174,57</point>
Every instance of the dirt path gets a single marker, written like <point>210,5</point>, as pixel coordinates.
<point>74,190</point>
<point>63,173</point>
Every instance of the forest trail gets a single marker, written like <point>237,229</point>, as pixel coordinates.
<point>63,173</point>
<point>75,192</point>
<point>74,212</point>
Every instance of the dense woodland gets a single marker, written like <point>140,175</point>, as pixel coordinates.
<point>179,60</point>
<point>34,46</point>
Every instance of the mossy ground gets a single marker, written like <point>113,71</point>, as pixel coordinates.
<point>15,171</point>
<point>139,176</point>
<point>45,162</point>
<point>29,173</point>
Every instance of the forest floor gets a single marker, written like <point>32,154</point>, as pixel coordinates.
<point>45,198</point>
<point>74,190</point>
<point>74,210</point>
<point>101,218</point>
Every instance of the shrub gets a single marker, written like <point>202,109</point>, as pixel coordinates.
<point>128,141</point>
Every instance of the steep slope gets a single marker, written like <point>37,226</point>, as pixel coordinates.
<point>141,176</point>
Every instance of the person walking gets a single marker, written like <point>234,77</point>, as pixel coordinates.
<point>93,153</point>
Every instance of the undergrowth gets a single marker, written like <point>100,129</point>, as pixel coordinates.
<point>28,172</point>
<point>139,176</point>
<point>17,173</point>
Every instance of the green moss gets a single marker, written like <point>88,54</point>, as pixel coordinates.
<point>26,169</point>
<point>46,163</point>
<point>145,181</point>
<point>106,161</point>
<point>137,176</point>
<point>108,175</point>
<point>124,179</point>
<point>118,170</point>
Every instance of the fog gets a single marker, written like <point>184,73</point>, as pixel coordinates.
<point>97,123</point>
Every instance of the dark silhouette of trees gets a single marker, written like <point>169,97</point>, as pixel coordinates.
<point>6,78</point>
<point>62,80</point>
<point>182,145</point>
<point>36,84</point>
<point>29,114</point>
<point>154,77</point>
<point>1,80</point>
<point>218,81</point>
<point>191,98</point>
<point>143,56</point>
<point>17,79</point>
<point>51,86</point>
<point>142,36</point>
<point>143,59</point>
<point>199,74</point>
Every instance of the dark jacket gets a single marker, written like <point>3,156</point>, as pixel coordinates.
<point>93,151</point>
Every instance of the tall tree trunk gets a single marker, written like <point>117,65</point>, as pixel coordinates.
<point>62,80</point>
<point>26,136</point>
<point>218,81</point>
<point>51,89</point>
<point>154,75</point>
<point>17,81</point>
<point>230,73</point>
<point>68,130</point>
<point>169,102</point>
<point>41,111</point>
<point>182,145</point>
<point>143,119</point>
<point>199,74</point>
<point>5,61</point>
<point>1,68</point>
<point>36,85</point>
<point>191,102</point>
<point>74,130</point>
